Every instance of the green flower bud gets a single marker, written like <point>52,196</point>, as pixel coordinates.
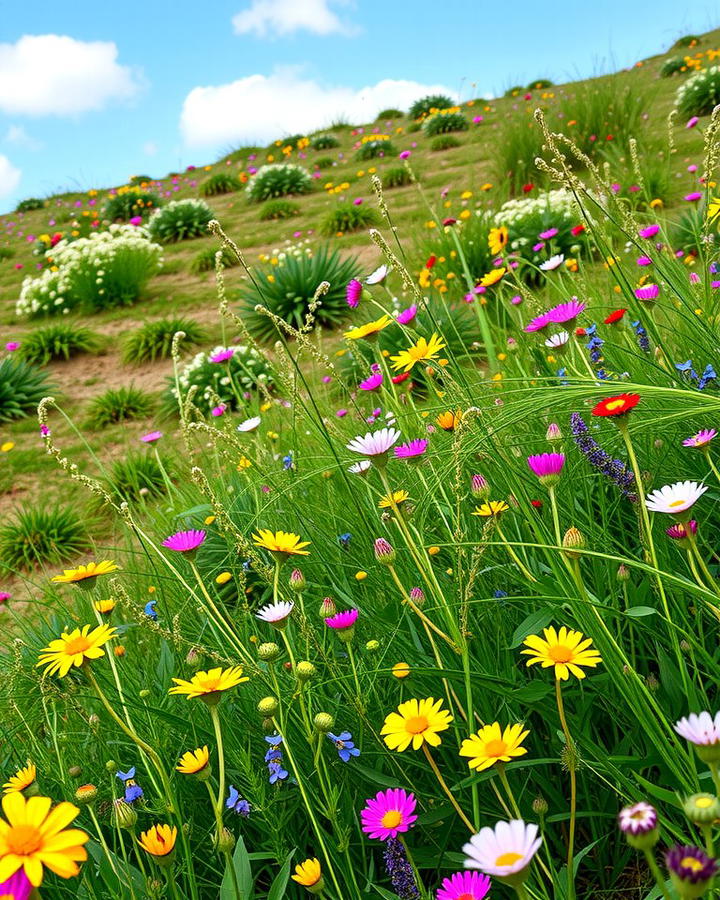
<point>372,646</point>
<point>572,542</point>
<point>225,841</point>
<point>702,809</point>
<point>327,608</point>
<point>297,581</point>
<point>193,658</point>
<point>305,670</point>
<point>74,771</point>
<point>540,806</point>
<point>125,815</point>
<point>268,707</point>
<point>623,573</point>
<point>144,694</point>
<point>111,766</point>
<point>324,722</point>
<point>86,794</point>
<point>268,652</point>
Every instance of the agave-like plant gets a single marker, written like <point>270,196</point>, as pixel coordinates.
<point>22,387</point>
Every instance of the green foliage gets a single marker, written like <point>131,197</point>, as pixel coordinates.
<point>540,84</point>
<point>30,204</point>
<point>324,162</point>
<point>137,180</point>
<point>700,94</point>
<point>153,340</point>
<point>672,65</point>
<point>374,148</point>
<point>687,40</point>
<point>397,176</point>
<point>59,341</point>
<point>180,220</point>
<point>22,387</point>
<point>445,142</point>
<point>324,142</point>
<point>445,121</point>
<point>278,209</point>
<point>128,204</point>
<point>279,180</point>
<point>119,405</point>
<point>6,253</point>
<point>606,111</point>
<point>205,260</point>
<point>425,105</point>
<point>514,91</point>
<point>689,232</point>
<point>287,289</point>
<point>220,183</point>
<point>139,475</point>
<point>472,237</point>
<point>42,537</point>
<point>292,141</point>
<point>347,216</point>
<point>519,142</point>
<point>390,113</point>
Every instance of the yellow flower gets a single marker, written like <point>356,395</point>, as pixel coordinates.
<point>193,761</point>
<point>713,208</point>
<point>7,446</point>
<point>309,874</point>
<point>422,350</point>
<point>82,573</point>
<point>104,606</point>
<point>21,780</point>
<point>35,836</point>
<point>395,498</point>
<point>493,277</point>
<point>497,239</point>
<point>369,329</point>
<point>401,670</point>
<point>449,421</point>
<point>566,650</point>
<point>73,649</point>
<point>491,744</point>
<point>281,542</point>
<point>158,840</point>
<point>416,722</point>
<point>223,578</point>
<point>493,508</point>
<point>209,684</point>
<point>243,464</point>
<point>360,576</point>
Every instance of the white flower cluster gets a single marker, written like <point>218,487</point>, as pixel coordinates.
<point>703,85</point>
<point>45,294</point>
<point>188,205</point>
<point>559,201</point>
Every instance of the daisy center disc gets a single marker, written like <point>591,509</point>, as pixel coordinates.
<point>77,645</point>
<point>508,859</point>
<point>391,819</point>
<point>689,862</point>
<point>615,404</point>
<point>560,654</point>
<point>676,503</point>
<point>416,725</point>
<point>23,840</point>
<point>496,748</point>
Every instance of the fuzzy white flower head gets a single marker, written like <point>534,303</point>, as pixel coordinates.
<point>375,443</point>
<point>275,613</point>
<point>360,468</point>
<point>675,498</point>
<point>508,849</point>
<point>378,276</point>
<point>637,819</point>
<point>249,424</point>
<point>700,729</point>
<point>553,263</point>
<point>557,340</point>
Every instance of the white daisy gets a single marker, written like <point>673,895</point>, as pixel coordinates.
<point>553,263</point>
<point>555,341</point>
<point>700,729</point>
<point>249,424</point>
<point>675,498</point>
<point>379,275</point>
<point>360,468</point>
<point>505,850</point>
<point>276,614</point>
<point>375,443</point>
<point>637,819</point>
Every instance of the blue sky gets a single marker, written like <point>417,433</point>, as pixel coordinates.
<point>104,91</point>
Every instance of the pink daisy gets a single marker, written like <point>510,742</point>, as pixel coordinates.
<point>644,261</point>
<point>222,355</point>
<point>547,465</point>
<point>649,231</point>
<point>353,293</point>
<point>649,292</point>
<point>388,814</point>
<point>546,235</point>
<point>412,449</point>
<point>17,886</point>
<point>407,315</point>
<point>464,886</point>
<point>342,620</point>
<point>566,312</point>
<point>679,531</point>
<point>693,197</point>
<point>701,439</point>
<point>374,381</point>
<point>151,437</point>
<point>539,322</point>
<point>4,597</point>
<point>185,541</point>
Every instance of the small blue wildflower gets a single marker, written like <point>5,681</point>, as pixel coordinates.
<point>237,803</point>
<point>126,776</point>
<point>133,791</point>
<point>288,461</point>
<point>150,611</point>
<point>708,375</point>
<point>344,539</point>
<point>562,375</point>
<point>344,745</point>
<point>498,594</point>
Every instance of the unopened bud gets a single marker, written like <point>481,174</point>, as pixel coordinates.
<point>372,646</point>
<point>86,794</point>
<point>111,766</point>
<point>572,542</point>
<point>305,670</point>
<point>479,487</point>
<point>684,646</point>
<point>540,806</point>
<point>144,694</point>
<point>652,683</point>
<point>417,596</point>
<point>125,815</point>
<point>225,841</point>
<point>193,658</point>
<point>324,722</point>
<point>268,726</point>
<point>702,809</point>
<point>74,771</point>
<point>384,552</point>
<point>268,707</point>
<point>623,573</point>
<point>327,608</point>
<point>268,652</point>
<point>553,433</point>
<point>297,581</point>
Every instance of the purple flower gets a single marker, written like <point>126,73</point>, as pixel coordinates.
<point>649,231</point>
<point>614,469</point>
<point>404,154</point>
<point>701,439</point>
<point>399,870</point>
<point>12,345</point>
<point>374,381</point>
<point>218,410</point>
<point>407,315</point>
<point>343,620</point>
<point>237,803</point>
<point>644,261</point>
<point>565,312</point>
<point>185,541</point>
<point>412,450</point>
<point>693,196</point>
<point>692,122</point>
<point>649,292</point>
<point>222,355</point>
<point>151,437</point>
<point>546,235</point>
<point>539,322</point>
<point>679,531</point>
<point>353,293</point>
<point>690,864</point>
<point>547,467</point>
<point>17,886</point>
<point>344,745</point>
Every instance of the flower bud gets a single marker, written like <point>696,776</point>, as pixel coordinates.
<point>327,608</point>
<point>372,646</point>
<point>324,722</point>
<point>144,694</point>
<point>623,573</point>
<point>86,794</point>
<point>125,815</point>
<point>74,771</point>
<point>225,841</point>
<point>384,552</point>
<point>553,433</point>
<point>305,670</point>
<point>540,806</point>
<point>268,726</point>
<point>268,652</point>
<point>297,581</point>
<point>572,542</point>
<point>479,488</point>
<point>652,683</point>
<point>268,707</point>
<point>702,809</point>
<point>111,766</point>
<point>417,596</point>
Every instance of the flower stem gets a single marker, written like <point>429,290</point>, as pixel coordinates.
<point>657,874</point>
<point>215,716</point>
<point>570,746</point>
<point>443,785</point>
<point>513,555</point>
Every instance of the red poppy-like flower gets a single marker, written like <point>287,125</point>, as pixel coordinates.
<point>526,188</point>
<point>576,230</point>
<point>449,221</point>
<point>615,316</point>
<point>617,405</point>
<point>536,503</point>
<point>398,379</point>
<point>580,332</point>
<point>431,261</point>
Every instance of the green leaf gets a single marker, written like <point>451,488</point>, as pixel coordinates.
<point>386,894</point>
<point>637,612</point>
<point>277,888</point>
<point>243,873</point>
<point>533,623</point>
<point>377,777</point>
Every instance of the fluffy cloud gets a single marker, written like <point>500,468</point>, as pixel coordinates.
<point>260,108</point>
<point>9,176</point>
<point>279,17</point>
<point>17,135</point>
<point>51,74</point>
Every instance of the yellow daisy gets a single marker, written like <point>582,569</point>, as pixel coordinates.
<point>449,421</point>
<point>566,650</point>
<point>193,761</point>
<point>396,498</point>
<point>421,351</point>
<point>21,780</point>
<point>491,745</point>
<point>416,722</point>
<point>309,874</point>
<point>369,329</point>
<point>492,508</point>
<point>285,542</point>
<point>73,649</point>
<point>35,837</point>
<point>105,606</point>
<point>159,840</point>
<point>713,208</point>
<point>82,573</point>
<point>497,239</point>
<point>209,685</point>
<point>493,277</point>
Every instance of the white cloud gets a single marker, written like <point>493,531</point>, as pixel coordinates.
<point>260,108</point>
<point>52,74</point>
<point>279,17</point>
<point>9,176</point>
<point>150,148</point>
<point>17,135</point>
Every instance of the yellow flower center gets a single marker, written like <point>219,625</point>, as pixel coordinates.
<point>615,404</point>
<point>507,859</point>
<point>77,645</point>
<point>560,654</point>
<point>676,503</point>
<point>416,725</point>
<point>704,802</point>
<point>689,862</point>
<point>23,840</point>
<point>461,897</point>
<point>391,819</point>
<point>496,748</point>
<point>211,684</point>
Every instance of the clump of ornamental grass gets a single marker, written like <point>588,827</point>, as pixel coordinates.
<point>389,113</point>
<point>700,94</point>
<point>220,183</point>
<point>425,105</point>
<point>121,404</point>
<point>140,475</point>
<point>604,112</point>
<point>349,216</point>
<point>691,232</point>
<point>444,142</point>
<point>397,176</point>
<point>180,220</point>
<point>59,341</point>
<point>278,209</point>
<point>153,340</point>
<point>29,204</point>
<point>40,537</point>
<point>444,121</point>
<point>287,289</point>
<point>324,142</point>
<point>279,180</point>
<point>514,90</point>
<point>519,143</point>
<point>22,387</point>
<point>672,66</point>
<point>205,260</point>
<point>440,250</point>
<point>127,203</point>
<point>375,146</point>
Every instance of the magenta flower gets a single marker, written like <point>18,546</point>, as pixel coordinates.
<point>388,814</point>
<point>405,154</point>
<point>547,467</point>
<point>546,235</point>
<point>566,312</point>
<point>411,450</point>
<point>151,437</point>
<point>649,292</point>
<point>222,355</point>
<point>539,322</point>
<point>374,381</point>
<point>12,345</point>
<point>692,122</point>
<point>218,410</point>
<point>185,541</point>
<point>464,886</point>
<point>407,315</point>
<point>701,439</point>
<point>353,293</point>
<point>678,532</point>
<point>644,261</point>
<point>693,196</point>
<point>17,887</point>
<point>649,231</point>
<point>4,597</point>
<point>342,620</point>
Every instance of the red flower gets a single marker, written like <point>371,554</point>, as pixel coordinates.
<point>578,229</point>
<point>615,316</point>
<point>618,405</point>
<point>536,503</point>
<point>398,379</point>
<point>580,332</point>
<point>526,188</point>
<point>449,221</point>
<point>431,261</point>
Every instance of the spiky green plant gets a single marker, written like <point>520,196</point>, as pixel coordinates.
<point>139,475</point>
<point>119,405</point>
<point>29,204</point>
<point>444,121</point>
<point>22,387</point>
<point>278,209</point>
<point>324,142</point>
<point>220,183</point>
<point>205,260</point>
<point>287,289</point>
<point>425,105</point>
<point>153,340</point>
<point>130,203</point>
<point>180,220</point>
<point>375,148</point>
<point>59,341</point>
<point>445,142</point>
<point>279,180</point>
<point>347,216</point>
<point>40,536</point>
<point>398,176</point>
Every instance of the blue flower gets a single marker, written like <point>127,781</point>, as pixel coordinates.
<point>498,594</point>
<point>274,757</point>
<point>344,745</point>
<point>288,461</point>
<point>237,803</point>
<point>150,610</point>
<point>344,539</point>
<point>276,771</point>
<point>708,375</point>
<point>126,776</point>
<point>133,791</point>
